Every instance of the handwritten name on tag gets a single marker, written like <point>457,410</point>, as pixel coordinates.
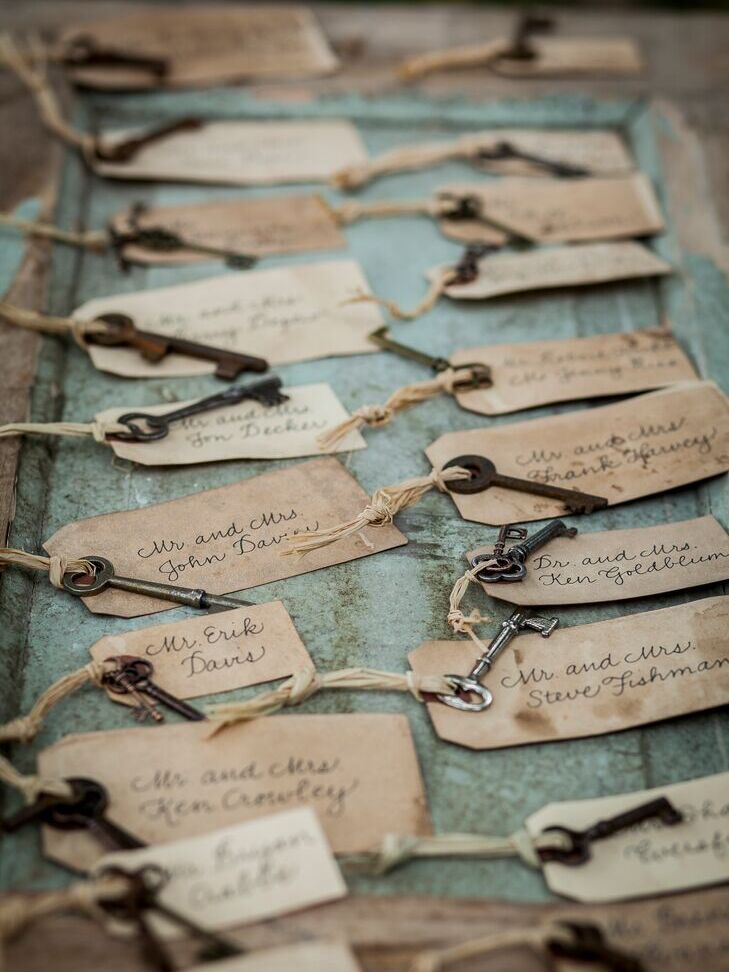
<point>215,653</point>
<point>225,539</point>
<point>206,46</point>
<point>359,773</point>
<point>641,446</point>
<point>283,314</point>
<point>576,56</point>
<point>242,153</point>
<point>620,564</point>
<point>590,679</point>
<point>244,873</point>
<point>257,227</point>
<point>648,858</point>
<point>248,430</point>
<point>541,372</point>
<point>579,265</point>
<point>559,210</point>
<point>306,957</point>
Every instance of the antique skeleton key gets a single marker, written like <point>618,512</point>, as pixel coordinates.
<point>478,374</point>
<point>465,685</point>
<point>267,392</point>
<point>85,809</point>
<point>485,474</point>
<point>133,676</point>
<point>87,585</point>
<point>510,565</point>
<point>122,332</point>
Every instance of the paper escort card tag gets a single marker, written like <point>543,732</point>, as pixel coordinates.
<point>213,653</point>
<point>649,858</point>
<point>359,773</point>
<point>241,153</point>
<point>244,873</point>
<point>304,957</point>
<point>570,56</point>
<point>542,372</point>
<point>225,539</point>
<point>256,227</point>
<point>639,447</point>
<point>579,265</point>
<point>589,679</point>
<point>248,430</point>
<point>205,46</point>
<point>620,564</point>
<point>283,314</point>
<point>559,210</point>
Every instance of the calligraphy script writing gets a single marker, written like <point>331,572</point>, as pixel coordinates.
<point>617,673</point>
<point>243,424</point>
<point>238,539</point>
<point>194,653</point>
<point>654,844</point>
<point>623,564</point>
<point>165,795</point>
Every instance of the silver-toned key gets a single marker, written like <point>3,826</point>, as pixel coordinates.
<point>87,585</point>
<point>484,474</point>
<point>466,685</point>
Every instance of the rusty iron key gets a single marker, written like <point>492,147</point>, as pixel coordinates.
<point>133,676</point>
<point>104,577</point>
<point>121,332</point>
<point>267,392</point>
<point>85,809</point>
<point>510,565</point>
<point>485,474</point>
<point>478,374</point>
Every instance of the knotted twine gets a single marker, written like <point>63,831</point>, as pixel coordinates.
<point>302,685</point>
<point>441,279</point>
<point>48,324</point>
<point>384,505</point>
<point>25,728</point>
<point>471,55</point>
<point>375,416</point>
<point>98,431</point>
<point>18,911</point>
<point>95,240</point>
<point>538,939</point>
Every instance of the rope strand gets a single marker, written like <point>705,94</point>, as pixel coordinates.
<point>302,685</point>
<point>438,285</point>
<point>48,324</point>
<point>537,939</point>
<point>95,240</point>
<point>384,505</point>
<point>56,567</point>
<point>99,431</point>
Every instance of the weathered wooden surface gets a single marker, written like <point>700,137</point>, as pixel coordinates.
<point>373,611</point>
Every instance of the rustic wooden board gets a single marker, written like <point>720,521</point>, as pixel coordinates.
<point>45,635</point>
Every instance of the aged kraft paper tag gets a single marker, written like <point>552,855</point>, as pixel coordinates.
<point>559,210</point>
<point>641,446</point>
<point>359,773</point>
<point>571,56</point>
<point>205,46</point>
<point>283,314</point>
<point>225,539</point>
<point>248,430</point>
<point>257,227</point>
<point>304,957</point>
<point>648,858</point>
<point>541,372</point>
<point>560,266</point>
<point>619,564</point>
<point>213,653</point>
<point>244,873</point>
<point>242,153</point>
<point>591,678</point>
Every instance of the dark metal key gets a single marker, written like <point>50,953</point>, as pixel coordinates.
<point>122,332</point>
<point>85,809</point>
<point>477,374</point>
<point>267,392</point>
<point>510,565</point>
<point>485,474</point>
<point>87,585</point>
<point>133,676</point>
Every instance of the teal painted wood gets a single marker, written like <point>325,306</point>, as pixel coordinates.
<point>372,611</point>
